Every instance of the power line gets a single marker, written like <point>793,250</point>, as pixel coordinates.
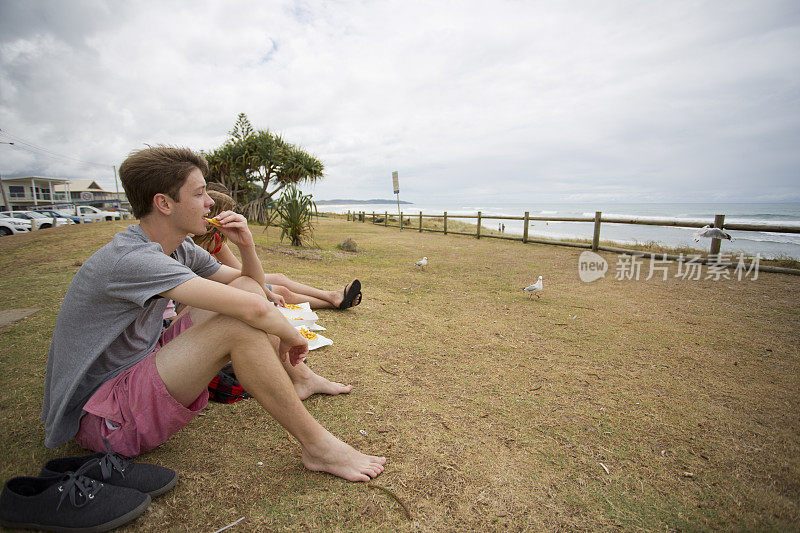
<point>38,150</point>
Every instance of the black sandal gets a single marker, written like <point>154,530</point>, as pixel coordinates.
<point>351,292</point>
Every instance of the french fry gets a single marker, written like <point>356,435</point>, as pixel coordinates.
<point>309,335</point>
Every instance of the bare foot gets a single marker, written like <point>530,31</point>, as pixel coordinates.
<point>340,459</point>
<point>337,297</point>
<point>311,383</point>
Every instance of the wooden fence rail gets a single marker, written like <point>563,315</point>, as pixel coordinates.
<point>597,220</point>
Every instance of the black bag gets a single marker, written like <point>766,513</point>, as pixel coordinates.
<point>225,388</point>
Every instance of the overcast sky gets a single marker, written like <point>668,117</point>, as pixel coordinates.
<point>508,101</point>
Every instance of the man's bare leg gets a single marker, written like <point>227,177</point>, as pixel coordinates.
<point>187,363</point>
<point>307,382</point>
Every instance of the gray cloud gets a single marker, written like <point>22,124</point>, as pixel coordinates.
<point>672,101</point>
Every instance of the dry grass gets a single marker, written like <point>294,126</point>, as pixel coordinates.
<point>495,411</point>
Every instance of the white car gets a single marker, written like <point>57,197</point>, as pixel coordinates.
<point>12,226</point>
<point>38,220</point>
<point>90,213</point>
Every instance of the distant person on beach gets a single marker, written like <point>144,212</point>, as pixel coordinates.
<point>114,377</point>
<point>279,288</point>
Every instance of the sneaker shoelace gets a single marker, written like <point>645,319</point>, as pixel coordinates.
<point>79,488</point>
<point>112,461</point>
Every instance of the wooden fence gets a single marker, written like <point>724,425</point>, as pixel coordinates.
<point>598,219</point>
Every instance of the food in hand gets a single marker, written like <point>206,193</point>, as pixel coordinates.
<point>309,335</point>
<point>213,222</point>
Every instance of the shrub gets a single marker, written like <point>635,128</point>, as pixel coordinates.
<point>294,211</point>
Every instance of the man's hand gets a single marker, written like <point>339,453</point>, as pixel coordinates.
<point>295,349</point>
<point>234,227</point>
<point>275,298</point>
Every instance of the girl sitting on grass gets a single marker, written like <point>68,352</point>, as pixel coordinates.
<point>280,289</point>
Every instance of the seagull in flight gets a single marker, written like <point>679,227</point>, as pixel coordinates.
<point>536,288</point>
<point>711,233</point>
<point>422,263</point>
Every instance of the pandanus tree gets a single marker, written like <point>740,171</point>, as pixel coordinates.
<point>294,210</point>
<point>255,165</point>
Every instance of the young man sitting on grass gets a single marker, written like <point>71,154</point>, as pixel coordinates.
<point>112,374</point>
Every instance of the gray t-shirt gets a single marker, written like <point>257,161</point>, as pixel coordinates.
<point>110,319</point>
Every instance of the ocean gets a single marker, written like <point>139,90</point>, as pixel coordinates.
<point>769,245</point>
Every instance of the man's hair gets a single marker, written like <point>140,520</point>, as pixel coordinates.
<point>157,169</point>
<point>222,202</point>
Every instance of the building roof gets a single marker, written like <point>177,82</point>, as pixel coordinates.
<point>27,179</point>
<point>81,185</point>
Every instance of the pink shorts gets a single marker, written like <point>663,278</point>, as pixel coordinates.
<point>133,410</point>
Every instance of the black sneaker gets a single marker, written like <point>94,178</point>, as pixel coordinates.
<point>116,469</point>
<point>71,502</point>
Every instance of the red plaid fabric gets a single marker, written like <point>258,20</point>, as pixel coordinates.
<point>225,388</point>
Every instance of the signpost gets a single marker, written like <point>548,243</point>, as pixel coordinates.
<point>395,182</point>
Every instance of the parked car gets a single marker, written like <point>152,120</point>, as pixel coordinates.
<point>124,213</point>
<point>12,226</point>
<point>88,213</point>
<point>38,220</point>
<point>50,213</point>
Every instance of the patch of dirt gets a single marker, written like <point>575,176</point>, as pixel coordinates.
<point>307,253</point>
<point>9,316</point>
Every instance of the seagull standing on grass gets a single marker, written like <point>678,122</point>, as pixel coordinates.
<point>422,263</point>
<point>536,288</point>
<point>711,233</point>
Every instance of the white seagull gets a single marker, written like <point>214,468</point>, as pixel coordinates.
<point>535,288</point>
<point>711,233</point>
<point>422,263</point>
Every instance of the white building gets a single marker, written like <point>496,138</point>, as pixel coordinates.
<point>18,193</point>
<point>31,192</point>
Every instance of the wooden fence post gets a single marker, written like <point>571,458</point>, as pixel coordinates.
<point>385,219</point>
<point>348,215</point>
<point>445,222</point>
<point>479,225</point>
<point>401,221</point>
<point>420,221</point>
<point>719,222</point>
<point>596,238</point>
<point>525,227</point>
<point>373,217</point>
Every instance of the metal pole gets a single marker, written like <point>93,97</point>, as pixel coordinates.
<point>5,198</point>
<point>116,184</point>
<point>6,205</point>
